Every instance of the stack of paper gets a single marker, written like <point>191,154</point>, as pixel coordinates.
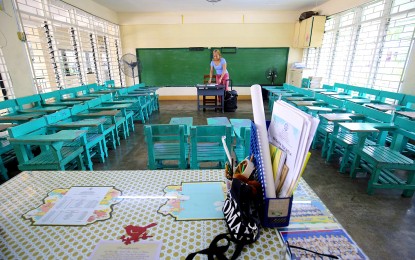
<point>291,131</point>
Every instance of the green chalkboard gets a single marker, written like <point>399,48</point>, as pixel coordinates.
<point>186,66</point>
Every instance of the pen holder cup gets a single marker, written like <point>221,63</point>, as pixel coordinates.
<point>274,212</point>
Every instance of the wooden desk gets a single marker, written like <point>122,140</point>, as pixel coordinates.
<point>187,121</point>
<point>5,126</point>
<point>410,114</point>
<point>80,123</point>
<point>342,97</point>
<point>142,196</point>
<point>82,98</point>
<point>318,109</point>
<point>48,109</point>
<point>308,103</point>
<point>360,100</point>
<point>19,118</point>
<point>300,99</point>
<point>220,120</point>
<point>339,117</point>
<point>384,107</point>
<point>238,124</point>
<point>99,113</point>
<point>204,90</point>
<point>330,92</point>
<point>61,136</point>
<point>113,106</point>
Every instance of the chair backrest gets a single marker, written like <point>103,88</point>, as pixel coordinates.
<point>8,106</point>
<point>109,84</point>
<point>50,97</point>
<point>342,88</point>
<point>76,109</point>
<point>67,93</point>
<point>390,97</point>
<point>409,102</point>
<point>353,107</point>
<point>170,139</point>
<point>211,134</point>
<point>91,88</point>
<point>35,126</point>
<point>206,79</point>
<point>94,102</point>
<point>29,101</point>
<point>374,115</point>
<point>333,102</point>
<point>58,116</point>
<point>305,82</point>
<point>106,97</point>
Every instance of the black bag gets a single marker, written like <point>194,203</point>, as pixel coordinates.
<point>231,99</point>
<point>306,15</point>
<point>242,219</point>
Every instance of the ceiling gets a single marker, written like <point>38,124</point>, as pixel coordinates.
<point>150,6</point>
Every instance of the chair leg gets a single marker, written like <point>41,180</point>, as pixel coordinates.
<point>325,145</point>
<point>330,150</point>
<point>80,162</point>
<point>355,165</point>
<point>87,158</point>
<point>410,181</point>
<point>373,179</point>
<point>3,170</point>
<point>345,160</point>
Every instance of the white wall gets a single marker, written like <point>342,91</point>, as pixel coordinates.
<point>170,30</point>
<point>15,53</point>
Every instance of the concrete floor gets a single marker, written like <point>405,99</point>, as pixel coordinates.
<point>383,224</point>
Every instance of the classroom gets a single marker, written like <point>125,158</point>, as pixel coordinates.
<point>94,92</point>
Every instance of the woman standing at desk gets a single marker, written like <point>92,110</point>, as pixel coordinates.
<point>220,65</point>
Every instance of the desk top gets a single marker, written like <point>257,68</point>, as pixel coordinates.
<point>10,118</point>
<point>341,116</point>
<point>410,114</point>
<point>210,86</point>
<point>238,124</point>
<point>384,107</point>
<point>48,109</point>
<point>99,113</point>
<point>80,123</point>
<point>6,126</point>
<point>365,126</point>
<point>143,195</point>
<point>220,120</point>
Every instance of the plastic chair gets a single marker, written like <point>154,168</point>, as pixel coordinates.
<point>206,144</point>
<point>166,143</point>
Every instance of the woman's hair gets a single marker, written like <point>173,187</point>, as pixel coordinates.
<point>218,52</point>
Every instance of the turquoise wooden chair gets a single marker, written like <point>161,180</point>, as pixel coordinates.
<point>166,143</point>
<point>206,144</point>
<point>342,142</point>
<point>128,113</point>
<point>109,84</point>
<point>7,154</point>
<point>389,97</point>
<point>305,83</point>
<point>54,98</point>
<point>389,168</point>
<point>409,103</point>
<point>109,130</point>
<point>54,155</point>
<point>119,120</point>
<point>138,108</point>
<point>95,145</point>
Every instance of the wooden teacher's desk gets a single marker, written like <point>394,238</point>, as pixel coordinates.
<point>204,90</point>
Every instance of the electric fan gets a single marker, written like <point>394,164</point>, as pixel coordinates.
<point>130,65</point>
<point>271,74</point>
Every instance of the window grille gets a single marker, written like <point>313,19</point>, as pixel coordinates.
<point>5,81</point>
<point>69,47</point>
<point>366,46</point>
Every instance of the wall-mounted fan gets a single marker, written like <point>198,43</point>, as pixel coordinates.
<point>271,74</point>
<point>130,65</point>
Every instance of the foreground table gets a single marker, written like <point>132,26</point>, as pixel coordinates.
<point>143,195</point>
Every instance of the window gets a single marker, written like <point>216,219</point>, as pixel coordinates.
<point>367,46</point>
<point>69,47</point>
<point>5,81</point>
